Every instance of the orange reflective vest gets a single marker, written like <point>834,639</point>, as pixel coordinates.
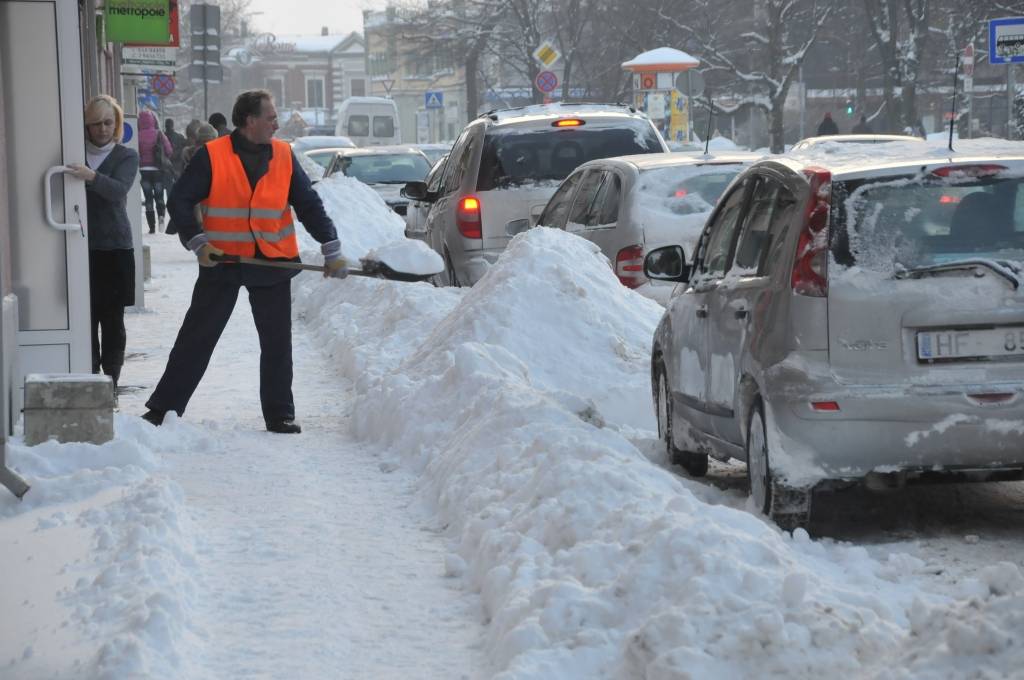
<point>237,218</point>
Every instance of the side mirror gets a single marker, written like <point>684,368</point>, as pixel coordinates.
<point>667,264</point>
<point>415,191</point>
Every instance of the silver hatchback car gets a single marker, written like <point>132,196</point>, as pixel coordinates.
<point>505,166</point>
<point>847,318</point>
<point>630,205</point>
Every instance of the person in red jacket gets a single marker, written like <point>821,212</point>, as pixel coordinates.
<point>152,147</point>
<point>244,184</point>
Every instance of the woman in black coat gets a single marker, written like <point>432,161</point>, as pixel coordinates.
<point>109,174</point>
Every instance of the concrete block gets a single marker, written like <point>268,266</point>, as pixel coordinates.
<point>147,267</point>
<point>68,407</point>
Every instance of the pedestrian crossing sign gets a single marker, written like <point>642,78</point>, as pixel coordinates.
<point>433,99</point>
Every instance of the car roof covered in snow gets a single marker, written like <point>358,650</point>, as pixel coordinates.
<point>546,112</point>
<point>848,161</point>
<point>655,161</point>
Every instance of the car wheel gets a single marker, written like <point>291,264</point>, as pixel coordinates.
<point>787,506</point>
<point>696,464</point>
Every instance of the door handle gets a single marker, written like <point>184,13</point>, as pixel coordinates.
<point>702,312</point>
<point>740,313</point>
<point>48,203</point>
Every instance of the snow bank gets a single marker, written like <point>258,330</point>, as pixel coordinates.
<point>517,401</point>
<point>104,526</point>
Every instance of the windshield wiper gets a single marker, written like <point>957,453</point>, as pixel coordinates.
<point>1001,268</point>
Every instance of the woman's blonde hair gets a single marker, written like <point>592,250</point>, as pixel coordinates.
<point>94,113</point>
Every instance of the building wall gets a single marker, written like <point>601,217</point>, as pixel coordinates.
<point>395,62</point>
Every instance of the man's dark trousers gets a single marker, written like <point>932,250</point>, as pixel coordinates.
<point>213,299</point>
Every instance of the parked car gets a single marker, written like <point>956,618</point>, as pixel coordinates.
<point>811,142</point>
<point>416,212</point>
<point>321,148</point>
<point>847,321</point>
<point>369,121</point>
<point>630,205</point>
<point>385,168</point>
<point>506,165</point>
<point>433,152</point>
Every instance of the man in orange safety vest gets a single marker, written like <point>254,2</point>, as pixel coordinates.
<point>246,185</point>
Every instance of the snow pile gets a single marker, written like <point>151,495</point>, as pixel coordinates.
<point>591,561</point>
<point>361,216</point>
<point>116,537</point>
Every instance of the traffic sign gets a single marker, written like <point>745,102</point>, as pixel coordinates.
<point>546,81</point>
<point>162,84</point>
<point>1006,41</point>
<point>546,54</point>
<point>645,81</point>
<point>433,99</point>
<point>968,60</point>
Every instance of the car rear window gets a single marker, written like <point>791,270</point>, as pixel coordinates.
<point>906,222</point>
<point>383,126</point>
<point>358,126</point>
<point>385,168</point>
<point>517,155</point>
<point>687,189</point>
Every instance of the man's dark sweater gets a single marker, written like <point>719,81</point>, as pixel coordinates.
<point>194,186</point>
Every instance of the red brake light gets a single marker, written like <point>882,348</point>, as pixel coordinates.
<point>629,266</point>
<point>681,193</point>
<point>981,170</point>
<point>810,268</point>
<point>569,122</point>
<point>827,406</point>
<point>946,200</point>
<point>467,217</point>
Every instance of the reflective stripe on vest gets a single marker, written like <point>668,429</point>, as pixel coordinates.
<point>237,218</point>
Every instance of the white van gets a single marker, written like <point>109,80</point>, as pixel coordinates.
<point>368,121</point>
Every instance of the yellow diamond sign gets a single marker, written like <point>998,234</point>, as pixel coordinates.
<point>546,54</point>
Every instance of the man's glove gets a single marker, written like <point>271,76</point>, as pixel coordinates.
<point>336,269</point>
<point>204,253</point>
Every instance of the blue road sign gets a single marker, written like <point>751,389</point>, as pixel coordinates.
<point>433,99</point>
<point>1006,41</point>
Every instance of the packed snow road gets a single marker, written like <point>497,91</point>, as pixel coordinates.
<point>479,492</point>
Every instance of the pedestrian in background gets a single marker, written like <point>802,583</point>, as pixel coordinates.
<point>219,123</point>
<point>154,158</point>
<point>204,133</point>
<point>178,144</point>
<point>108,173</point>
<point>863,127</point>
<point>245,183</point>
<point>827,126</point>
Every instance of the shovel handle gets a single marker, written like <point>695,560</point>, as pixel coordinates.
<point>259,262</point>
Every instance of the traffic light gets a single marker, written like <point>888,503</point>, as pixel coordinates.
<point>849,107</point>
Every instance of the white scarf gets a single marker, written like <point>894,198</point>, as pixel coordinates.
<point>95,155</point>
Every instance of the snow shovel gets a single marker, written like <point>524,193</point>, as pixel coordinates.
<point>370,267</point>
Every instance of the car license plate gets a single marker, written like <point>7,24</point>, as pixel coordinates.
<point>971,344</point>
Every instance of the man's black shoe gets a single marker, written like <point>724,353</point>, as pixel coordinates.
<point>154,417</point>
<point>286,426</point>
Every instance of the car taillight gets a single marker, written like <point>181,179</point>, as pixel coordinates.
<point>810,268</point>
<point>467,217</point>
<point>629,266</point>
<point>681,193</point>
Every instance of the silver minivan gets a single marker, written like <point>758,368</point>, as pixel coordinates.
<point>505,166</point>
<point>849,318</point>
<point>630,205</point>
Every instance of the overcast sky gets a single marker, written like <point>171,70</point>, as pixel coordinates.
<point>305,17</point>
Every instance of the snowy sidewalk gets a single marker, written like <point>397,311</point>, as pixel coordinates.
<point>314,560</point>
